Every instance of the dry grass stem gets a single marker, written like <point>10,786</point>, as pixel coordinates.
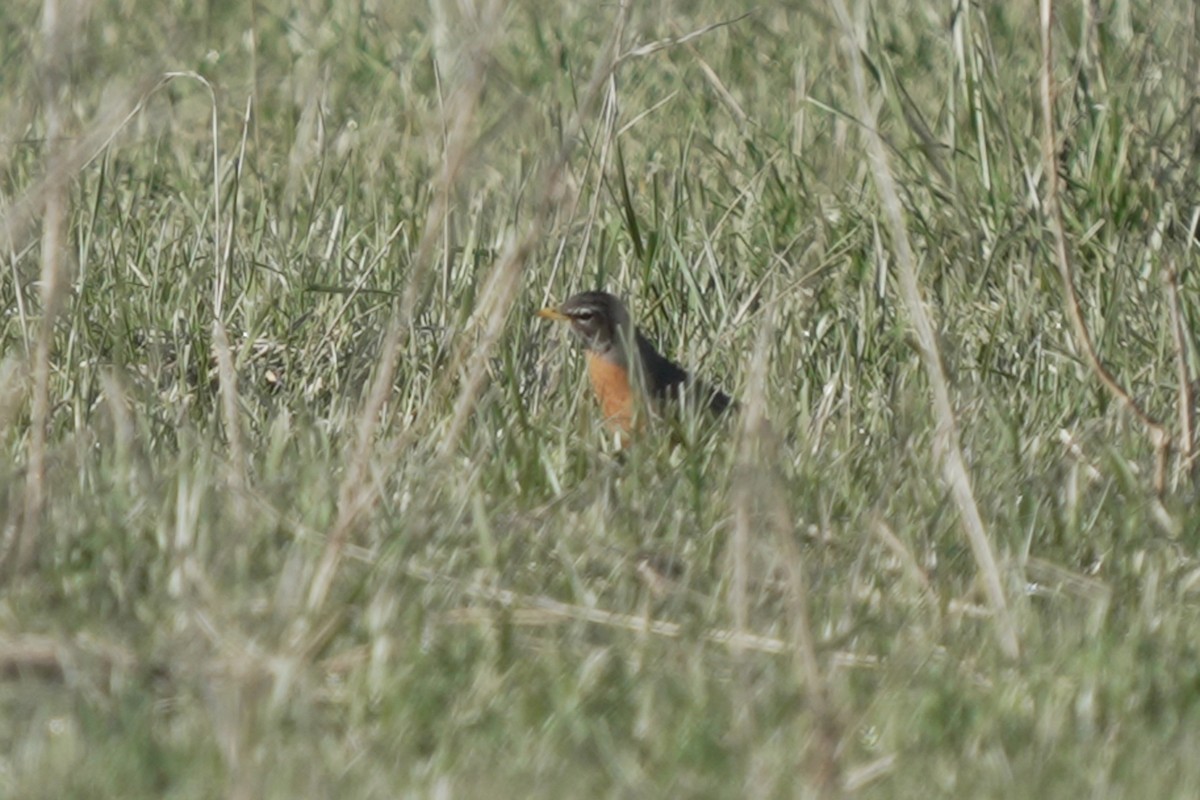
<point>55,279</point>
<point>501,290</point>
<point>357,494</point>
<point>757,486</point>
<point>533,610</point>
<point>502,285</point>
<point>1185,401</point>
<point>948,449</point>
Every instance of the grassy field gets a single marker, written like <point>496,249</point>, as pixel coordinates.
<point>300,499</point>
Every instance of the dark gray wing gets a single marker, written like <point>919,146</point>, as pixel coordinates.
<point>666,379</point>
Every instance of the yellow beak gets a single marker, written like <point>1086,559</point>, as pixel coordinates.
<point>554,314</point>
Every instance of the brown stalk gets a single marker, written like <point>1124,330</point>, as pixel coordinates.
<point>1187,436</point>
<point>947,446</point>
<point>1160,439</point>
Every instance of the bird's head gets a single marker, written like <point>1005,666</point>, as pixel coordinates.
<point>599,319</point>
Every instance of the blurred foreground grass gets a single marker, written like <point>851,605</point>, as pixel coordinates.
<point>493,625</point>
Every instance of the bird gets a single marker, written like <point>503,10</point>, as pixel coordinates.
<point>622,363</point>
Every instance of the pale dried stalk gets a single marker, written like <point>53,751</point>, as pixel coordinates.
<point>947,447</point>
<point>18,218</point>
<point>356,493</point>
<point>908,561</point>
<point>757,484</point>
<point>828,735</point>
<point>525,609</point>
<point>48,201</point>
<point>55,278</point>
<point>504,281</point>
<point>227,377</point>
<point>755,427</point>
<point>225,371</point>
<point>495,302</point>
<point>748,485</point>
<point>1160,439</point>
<point>599,155</point>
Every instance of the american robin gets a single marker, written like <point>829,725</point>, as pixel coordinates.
<point>621,361</point>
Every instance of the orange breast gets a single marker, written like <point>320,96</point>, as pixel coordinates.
<point>610,381</point>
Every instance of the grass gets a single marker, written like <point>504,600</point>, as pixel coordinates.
<point>273,560</point>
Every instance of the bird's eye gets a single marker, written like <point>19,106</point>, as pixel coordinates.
<point>584,316</point>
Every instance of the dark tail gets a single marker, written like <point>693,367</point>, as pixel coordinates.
<point>718,401</point>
